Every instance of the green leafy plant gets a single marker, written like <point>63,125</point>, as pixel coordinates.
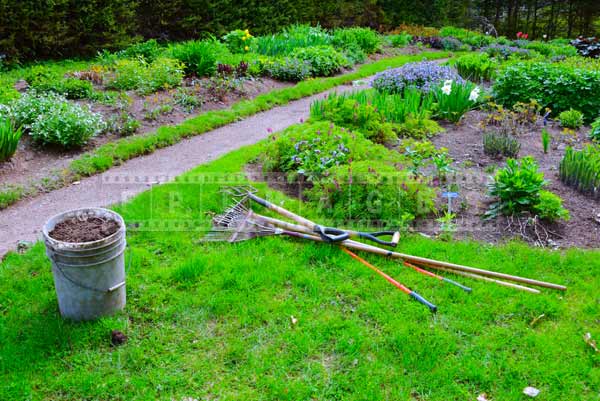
<point>580,169</point>
<point>123,124</point>
<point>555,86</point>
<point>148,50</point>
<point>9,138</point>
<point>546,139</point>
<point>324,60</point>
<point>476,67</point>
<point>400,40</point>
<point>186,99</point>
<point>447,226</point>
<point>550,207</point>
<point>66,124</point>
<point>288,69</point>
<point>497,144</point>
<point>594,134</point>
<point>290,38</point>
<point>309,150</point>
<point>418,128</point>
<point>372,190</point>
<point>571,119</point>
<point>162,73</point>
<point>455,99</point>
<point>71,88</point>
<point>199,57</point>
<point>365,38</point>
<point>239,41</point>
<point>518,188</point>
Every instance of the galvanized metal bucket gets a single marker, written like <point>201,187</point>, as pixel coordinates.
<point>89,277</point>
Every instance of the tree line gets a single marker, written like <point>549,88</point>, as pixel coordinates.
<point>30,29</point>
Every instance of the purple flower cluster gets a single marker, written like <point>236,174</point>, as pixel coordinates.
<point>424,75</point>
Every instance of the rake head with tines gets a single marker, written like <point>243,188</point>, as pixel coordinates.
<point>237,224</point>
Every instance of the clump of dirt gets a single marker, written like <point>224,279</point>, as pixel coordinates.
<point>91,229</point>
<point>117,338</point>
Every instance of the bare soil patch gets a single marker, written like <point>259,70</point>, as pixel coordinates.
<point>88,230</point>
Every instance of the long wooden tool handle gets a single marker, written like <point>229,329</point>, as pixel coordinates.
<point>499,282</point>
<point>430,262</point>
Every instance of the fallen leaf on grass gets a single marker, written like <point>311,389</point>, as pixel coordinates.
<point>587,337</point>
<point>531,391</point>
<point>482,397</point>
<point>537,319</point>
<point>294,320</point>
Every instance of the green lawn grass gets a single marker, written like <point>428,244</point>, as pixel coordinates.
<point>212,321</point>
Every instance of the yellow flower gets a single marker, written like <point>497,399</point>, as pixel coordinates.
<point>246,48</point>
<point>243,38</point>
<point>246,32</point>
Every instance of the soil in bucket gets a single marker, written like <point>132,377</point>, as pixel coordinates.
<point>84,230</point>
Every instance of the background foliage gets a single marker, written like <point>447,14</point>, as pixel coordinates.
<point>30,29</point>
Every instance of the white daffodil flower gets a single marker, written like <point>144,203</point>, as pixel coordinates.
<point>446,89</point>
<point>474,94</point>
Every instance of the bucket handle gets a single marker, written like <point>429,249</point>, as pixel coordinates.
<point>78,284</point>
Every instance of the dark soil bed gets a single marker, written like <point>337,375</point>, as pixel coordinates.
<point>88,230</point>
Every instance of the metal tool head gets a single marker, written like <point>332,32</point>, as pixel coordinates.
<point>239,191</point>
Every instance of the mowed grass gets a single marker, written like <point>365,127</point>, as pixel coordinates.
<point>213,321</point>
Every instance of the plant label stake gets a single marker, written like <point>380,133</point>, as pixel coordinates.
<point>450,196</point>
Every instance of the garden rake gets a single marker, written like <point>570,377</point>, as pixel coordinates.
<point>247,192</point>
<point>241,224</point>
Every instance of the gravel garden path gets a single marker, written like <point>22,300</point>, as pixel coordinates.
<point>24,220</point>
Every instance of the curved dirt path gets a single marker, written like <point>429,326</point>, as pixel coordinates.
<point>24,220</point>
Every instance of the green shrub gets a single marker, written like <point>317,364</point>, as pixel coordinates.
<point>9,138</point>
<point>8,93</point>
<point>354,54</point>
<point>288,69</point>
<point>556,86</point>
<point>149,50</point>
<point>500,144</point>
<point>550,207</point>
<point>66,124</point>
<point>292,37</point>
<point>352,114</point>
<point>581,169</point>
<point>476,67</point>
<point>162,73</point>
<point>367,39</point>
<point>372,190</point>
<point>40,73</point>
<point>324,60</point>
<point>26,110</point>
<point>454,99</point>
<point>518,188</point>
<point>571,119</point>
<point>127,74</point>
<point>199,57</point>
<point>311,149</point>
<point>239,41</point>
<point>469,37</point>
<point>401,40</point>
<point>595,131</point>
<point>452,44</point>
<point>551,49</point>
<point>71,88</point>
<point>418,128</point>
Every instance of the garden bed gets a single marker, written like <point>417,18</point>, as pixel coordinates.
<point>464,144</point>
<point>33,162</point>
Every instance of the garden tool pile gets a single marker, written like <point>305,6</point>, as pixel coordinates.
<point>239,223</point>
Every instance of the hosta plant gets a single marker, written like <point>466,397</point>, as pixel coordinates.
<point>324,60</point>
<point>9,138</point>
